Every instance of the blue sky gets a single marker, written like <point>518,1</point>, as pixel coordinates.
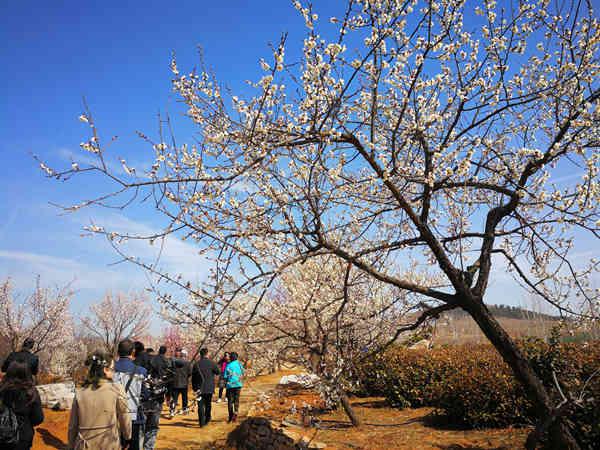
<point>116,54</point>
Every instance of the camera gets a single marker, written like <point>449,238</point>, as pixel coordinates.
<point>156,387</point>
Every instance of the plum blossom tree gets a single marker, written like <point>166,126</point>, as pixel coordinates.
<point>429,133</point>
<point>44,316</point>
<point>117,317</point>
<point>182,337</point>
<point>172,339</point>
<point>327,317</point>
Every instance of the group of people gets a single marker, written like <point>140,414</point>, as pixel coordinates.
<point>120,402</point>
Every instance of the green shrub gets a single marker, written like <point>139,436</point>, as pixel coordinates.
<point>474,387</point>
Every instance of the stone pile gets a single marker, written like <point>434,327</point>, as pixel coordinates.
<point>57,396</point>
<point>258,433</point>
<point>303,380</point>
<point>423,344</point>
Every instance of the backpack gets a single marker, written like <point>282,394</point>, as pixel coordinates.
<point>9,425</point>
<point>132,384</point>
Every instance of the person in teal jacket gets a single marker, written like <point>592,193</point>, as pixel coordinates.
<point>233,377</point>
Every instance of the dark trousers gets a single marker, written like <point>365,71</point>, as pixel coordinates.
<point>175,397</point>
<point>221,389</point>
<point>204,408</point>
<point>152,421</point>
<point>233,401</point>
<point>17,446</point>
<point>136,435</point>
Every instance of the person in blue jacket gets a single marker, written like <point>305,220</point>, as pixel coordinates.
<point>233,377</point>
<point>132,378</point>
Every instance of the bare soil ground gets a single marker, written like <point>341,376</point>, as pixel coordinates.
<point>383,427</point>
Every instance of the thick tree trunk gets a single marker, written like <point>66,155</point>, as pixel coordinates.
<point>561,436</point>
<point>349,410</point>
<point>315,363</point>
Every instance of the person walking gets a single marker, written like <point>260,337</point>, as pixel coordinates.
<point>160,365</point>
<point>25,355</point>
<point>131,377</point>
<point>222,365</point>
<point>233,378</point>
<point>160,369</point>
<point>203,382</point>
<point>141,357</point>
<point>182,369</point>
<point>99,415</point>
<point>19,401</point>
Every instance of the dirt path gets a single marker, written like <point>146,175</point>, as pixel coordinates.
<point>181,432</point>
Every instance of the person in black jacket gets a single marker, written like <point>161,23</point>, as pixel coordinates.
<point>160,365</point>
<point>18,393</point>
<point>25,356</point>
<point>140,355</point>
<point>203,382</point>
<point>182,372</point>
<point>160,368</point>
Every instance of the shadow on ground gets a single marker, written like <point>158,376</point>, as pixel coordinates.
<point>470,447</point>
<point>331,424</point>
<point>371,404</point>
<point>51,440</point>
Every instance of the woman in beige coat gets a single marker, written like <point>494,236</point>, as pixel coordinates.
<point>99,415</point>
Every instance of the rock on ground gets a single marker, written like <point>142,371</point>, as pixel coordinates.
<point>423,344</point>
<point>57,396</point>
<point>305,380</point>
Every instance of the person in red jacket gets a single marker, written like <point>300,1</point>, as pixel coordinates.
<point>222,365</point>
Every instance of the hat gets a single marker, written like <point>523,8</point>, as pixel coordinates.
<point>28,343</point>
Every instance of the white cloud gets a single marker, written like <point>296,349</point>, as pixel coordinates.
<point>584,256</point>
<point>35,258</point>
<point>87,159</point>
<point>565,178</point>
<point>37,240</point>
<point>112,161</point>
<point>173,255</point>
<point>24,266</point>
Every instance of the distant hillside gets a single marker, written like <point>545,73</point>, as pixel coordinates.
<point>511,312</point>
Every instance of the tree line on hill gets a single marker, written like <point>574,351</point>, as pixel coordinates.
<point>508,311</point>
